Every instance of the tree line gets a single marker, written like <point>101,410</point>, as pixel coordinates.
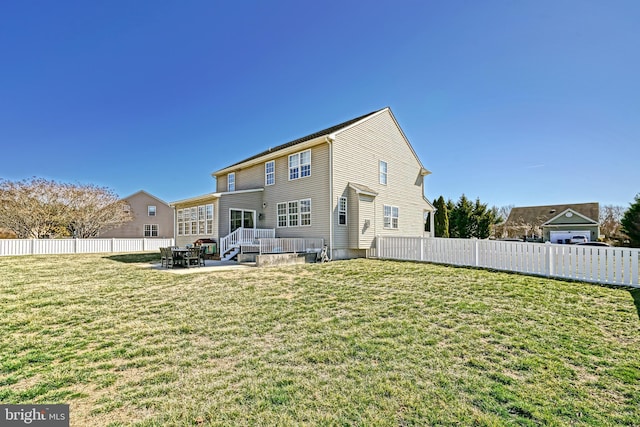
<point>38,208</point>
<point>464,219</point>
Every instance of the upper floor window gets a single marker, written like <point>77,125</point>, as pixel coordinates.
<point>300,165</point>
<point>151,230</point>
<point>383,172</point>
<point>126,207</point>
<point>390,216</point>
<point>270,173</point>
<point>231,182</point>
<point>342,211</point>
<point>151,210</point>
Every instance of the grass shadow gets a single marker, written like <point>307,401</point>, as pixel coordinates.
<point>135,258</point>
<point>635,293</point>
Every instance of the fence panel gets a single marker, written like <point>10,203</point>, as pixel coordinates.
<point>605,265</point>
<point>10,247</point>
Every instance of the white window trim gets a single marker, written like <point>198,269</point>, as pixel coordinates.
<point>285,215</point>
<point>301,213</point>
<point>268,174</point>
<point>185,220</point>
<point>391,217</point>
<point>151,208</point>
<point>382,173</point>
<point>151,227</point>
<point>340,211</point>
<point>298,214</point>
<point>231,181</point>
<point>299,166</point>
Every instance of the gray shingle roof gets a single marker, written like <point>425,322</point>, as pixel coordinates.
<point>537,215</point>
<point>309,137</point>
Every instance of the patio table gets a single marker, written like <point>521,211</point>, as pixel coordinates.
<point>178,255</point>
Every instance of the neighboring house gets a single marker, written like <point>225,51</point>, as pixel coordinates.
<point>152,217</point>
<point>345,184</point>
<point>555,223</point>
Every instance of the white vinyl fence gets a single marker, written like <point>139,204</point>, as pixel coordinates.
<point>77,246</point>
<point>597,264</point>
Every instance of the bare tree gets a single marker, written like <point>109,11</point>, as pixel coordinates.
<point>93,210</point>
<point>610,217</point>
<point>38,208</point>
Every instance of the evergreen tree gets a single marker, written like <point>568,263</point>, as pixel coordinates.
<point>631,223</point>
<point>451,207</point>
<point>462,220</point>
<point>482,220</point>
<point>441,219</point>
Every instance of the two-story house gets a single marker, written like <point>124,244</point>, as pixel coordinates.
<point>152,217</point>
<point>345,184</point>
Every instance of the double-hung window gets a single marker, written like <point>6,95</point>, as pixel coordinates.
<point>151,230</point>
<point>151,210</point>
<point>300,165</point>
<point>382,167</point>
<point>305,212</point>
<point>282,214</point>
<point>231,182</point>
<point>194,220</point>
<point>270,173</point>
<point>390,216</point>
<point>294,213</point>
<point>342,211</point>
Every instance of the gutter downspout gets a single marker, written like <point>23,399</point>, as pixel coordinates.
<point>330,139</point>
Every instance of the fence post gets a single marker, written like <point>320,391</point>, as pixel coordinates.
<point>548,259</point>
<point>474,252</point>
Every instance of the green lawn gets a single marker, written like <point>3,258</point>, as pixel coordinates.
<point>361,342</point>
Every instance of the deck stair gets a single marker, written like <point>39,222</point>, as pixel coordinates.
<point>230,245</point>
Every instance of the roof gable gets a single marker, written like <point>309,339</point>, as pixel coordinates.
<point>147,194</point>
<point>568,213</point>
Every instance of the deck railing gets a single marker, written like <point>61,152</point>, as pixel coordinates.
<point>244,235</point>
<point>290,245</point>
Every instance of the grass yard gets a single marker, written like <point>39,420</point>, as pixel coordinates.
<point>362,342</point>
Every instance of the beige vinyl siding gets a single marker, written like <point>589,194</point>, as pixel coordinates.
<point>314,187</point>
<point>247,201</point>
<point>246,179</point>
<point>360,208</point>
<point>139,203</point>
<point>379,138</point>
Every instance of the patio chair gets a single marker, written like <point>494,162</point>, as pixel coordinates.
<point>163,256</point>
<point>201,255</point>
<point>166,257</point>
<point>192,257</point>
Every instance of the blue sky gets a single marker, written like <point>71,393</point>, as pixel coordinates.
<point>515,102</point>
